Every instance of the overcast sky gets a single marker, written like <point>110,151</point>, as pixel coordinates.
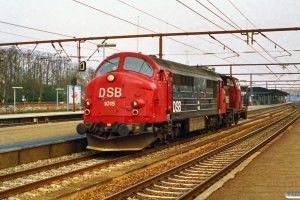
<point>57,19</point>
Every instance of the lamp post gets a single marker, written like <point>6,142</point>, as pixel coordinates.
<point>57,89</point>
<point>106,45</point>
<point>15,96</point>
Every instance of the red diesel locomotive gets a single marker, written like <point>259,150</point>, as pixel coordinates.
<point>135,100</point>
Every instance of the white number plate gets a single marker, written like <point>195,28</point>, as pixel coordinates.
<point>176,106</point>
<point>109,103</point>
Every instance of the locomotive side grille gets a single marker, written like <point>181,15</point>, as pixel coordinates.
<point>179,79</point>
<point>194,95</point>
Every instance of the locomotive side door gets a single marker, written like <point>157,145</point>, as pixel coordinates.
<point>169,91</point>
<point>161,100</point>
<point>222,97</point>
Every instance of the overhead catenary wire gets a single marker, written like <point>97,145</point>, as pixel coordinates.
<point>213,24</point>
<point>217,26</point>
<point>39,30</point>
<point>162,20</point>
<point>216,14</point>
<point>225,15</point>
<point>266,51</point>
<point>35,29</point>
<point>263,36</point>
<point>141,27</point>
<point>256,28</point>
<point>233,26</point>
<point>163,14</point>
<point>254,40</point>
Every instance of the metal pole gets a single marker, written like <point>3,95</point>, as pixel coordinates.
<point>251,90</point>
<point>56,99</point>
<point>15,96</point>
<point>73,98</point>
<point>160,48</point>
<point>14,99</point>
<point>103,51</point>
<point>79,57</point>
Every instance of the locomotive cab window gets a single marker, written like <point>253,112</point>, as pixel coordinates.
<point>138,65</point>
<point>237,84</point>
<point>108,66</point>
<point>229,82</point>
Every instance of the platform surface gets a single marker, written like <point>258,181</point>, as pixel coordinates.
<point>273,171</point>
<point>40,114</point>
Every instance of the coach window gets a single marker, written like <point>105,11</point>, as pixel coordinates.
<point>138,65</point>
<point>108,66</point>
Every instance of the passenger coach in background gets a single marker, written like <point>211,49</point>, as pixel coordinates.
<point>135,100</point>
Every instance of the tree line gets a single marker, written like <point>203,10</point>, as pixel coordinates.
<point>39,73</point>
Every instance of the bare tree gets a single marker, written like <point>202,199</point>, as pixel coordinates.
<point>36,71</point>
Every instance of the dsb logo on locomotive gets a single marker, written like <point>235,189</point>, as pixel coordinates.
<point>110,92</point>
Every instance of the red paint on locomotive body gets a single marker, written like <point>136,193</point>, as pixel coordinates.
<point>233,92</point>
<point>222,98</point>
<point>134,100</point>
<point>112,101</point>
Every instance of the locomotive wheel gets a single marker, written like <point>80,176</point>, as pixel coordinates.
<point>171,136</point>
<point>176,132</point>
<point>236,121</point>
<point>156,143</point>
<point>106,135</point>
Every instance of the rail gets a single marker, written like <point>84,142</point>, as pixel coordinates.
<point>132,191</point>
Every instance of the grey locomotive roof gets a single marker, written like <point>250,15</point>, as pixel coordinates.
<point>186,70</point>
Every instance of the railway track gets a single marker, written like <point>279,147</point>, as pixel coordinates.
<point>25,180</point>
<point>255,114</point>
<point>34,181</point>
<point>191,178</point>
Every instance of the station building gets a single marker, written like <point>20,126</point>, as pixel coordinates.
<point>263,96</point>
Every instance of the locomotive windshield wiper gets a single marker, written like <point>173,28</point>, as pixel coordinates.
<point>109,62</point>
<point>143,65</point>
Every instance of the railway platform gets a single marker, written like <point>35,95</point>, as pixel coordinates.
<point>271,173</point>
<point>23,136</point>
<point>43,117</point>
<point>28,143</point>
<point>41,114</point>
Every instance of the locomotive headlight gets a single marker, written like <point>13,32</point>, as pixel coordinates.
<point>87,104</point>
<point>110,78</point>
<point>135,104</point>
<point>138,103</point>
